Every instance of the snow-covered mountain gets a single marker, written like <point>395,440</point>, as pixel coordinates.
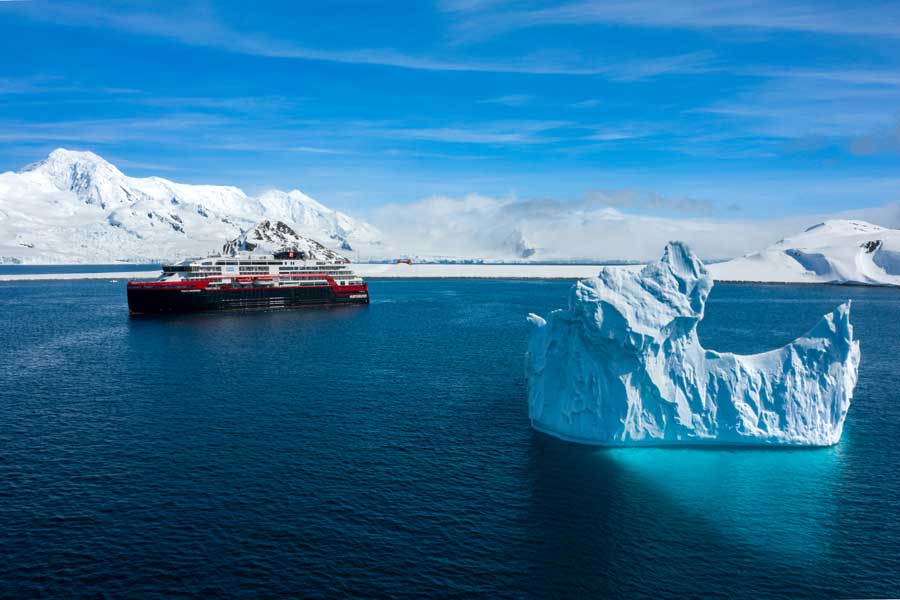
<point>838,251</point>
<point>269,236</point>
<point>75,207</point>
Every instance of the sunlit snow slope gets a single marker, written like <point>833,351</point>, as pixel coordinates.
<point>75,207</point>
<point>837,251</point>
<point>268,236</point>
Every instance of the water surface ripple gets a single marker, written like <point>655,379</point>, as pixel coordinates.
<point>385,451</point>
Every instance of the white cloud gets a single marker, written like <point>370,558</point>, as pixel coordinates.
<point>500,132</point>
<point>649,201</point>
<point>613,135</point>
<point>887,215</point>
<point>491,228</point>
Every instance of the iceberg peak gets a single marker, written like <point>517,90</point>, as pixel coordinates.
<point>624,365</point>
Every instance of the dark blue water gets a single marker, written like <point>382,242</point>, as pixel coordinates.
<point>58,269</point>
<point>385,451</point>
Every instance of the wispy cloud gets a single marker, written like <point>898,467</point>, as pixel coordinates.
<point>851,74</point>
<point>266,143</point>
<point>493,133</point>
<point>400,153</point>
<point>202,28</point>
<point>106,131</point>
<point>56,91</point>
<point>242,104</point>
<point>229,133</point>
<point>315,150</point>
<point>791,108</point>
<point>513,100</point>
<point>875,19</point>
<point>613,135</point>
<point>470,5</point>
<point>33,85</point>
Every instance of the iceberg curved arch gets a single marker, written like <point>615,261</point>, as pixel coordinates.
<point>623,365</point>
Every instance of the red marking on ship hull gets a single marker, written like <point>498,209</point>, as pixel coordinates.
<point>144,299</point>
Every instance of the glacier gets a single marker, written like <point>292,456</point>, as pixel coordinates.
<point>623,365</point>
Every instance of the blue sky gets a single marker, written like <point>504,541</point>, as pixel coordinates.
<point>744,109</point>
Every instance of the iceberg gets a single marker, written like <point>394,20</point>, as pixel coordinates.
<point>623,365</point>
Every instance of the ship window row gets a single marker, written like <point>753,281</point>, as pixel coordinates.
<point>316,269</point>
<point>324,267</point>
<point>294,284</point>
<point>190,269</point>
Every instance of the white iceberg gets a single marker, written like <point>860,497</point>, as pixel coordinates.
<point>623,366</point>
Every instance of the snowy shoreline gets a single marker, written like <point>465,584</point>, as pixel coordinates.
<point>78,276</point>
<point>381,271</point>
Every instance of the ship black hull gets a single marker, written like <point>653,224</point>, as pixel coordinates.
<point>148,300</point>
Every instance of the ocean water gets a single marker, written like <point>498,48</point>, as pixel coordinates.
<point>385,451</point>
<point>59,269</point>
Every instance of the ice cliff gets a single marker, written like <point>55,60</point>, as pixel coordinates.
<point>623,366</point>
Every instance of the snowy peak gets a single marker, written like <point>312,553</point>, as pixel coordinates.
<point>61,161</point>
<point>316,219</point>
<point>836,251</point>
<point>89,176</point>
<point>843,227</point>
<point>268,236</point>
<point>77,207</point>
<point>295,197</point>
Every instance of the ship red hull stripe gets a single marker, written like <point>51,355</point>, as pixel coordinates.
<point>202,284</point>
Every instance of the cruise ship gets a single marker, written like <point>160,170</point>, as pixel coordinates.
<point>247,280</point>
